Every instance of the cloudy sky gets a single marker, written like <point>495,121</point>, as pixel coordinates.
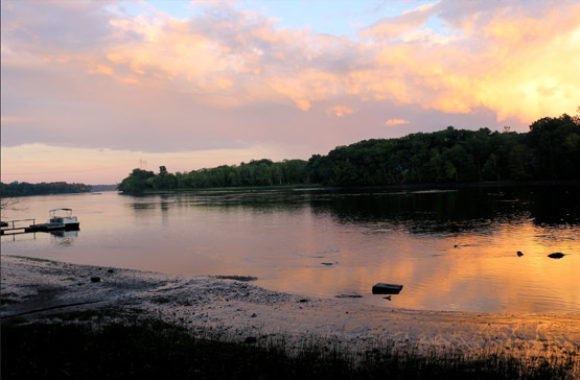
<point>93,89</point>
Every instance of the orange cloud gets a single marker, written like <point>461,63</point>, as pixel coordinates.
<point>392,122</point>
<point>496,58</point>
<point>196,80</point>
<point>340,111</point>
<point>102,69</point>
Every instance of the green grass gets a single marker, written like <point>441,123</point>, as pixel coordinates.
<point>153,349</point>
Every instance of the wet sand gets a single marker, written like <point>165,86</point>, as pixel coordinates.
<point>38,291</point>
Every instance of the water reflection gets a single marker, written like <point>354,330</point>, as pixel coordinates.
<point>64,238</point>
<point>452,250</point>
<point>434,211</point>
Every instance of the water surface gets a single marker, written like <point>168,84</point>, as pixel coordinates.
<point>452,250</point>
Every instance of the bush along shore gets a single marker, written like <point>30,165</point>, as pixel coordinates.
<point>19,189</point>
<point>154,349</point>
<point>549,151</point>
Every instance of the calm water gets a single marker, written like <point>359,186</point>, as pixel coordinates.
<point>452,250</point>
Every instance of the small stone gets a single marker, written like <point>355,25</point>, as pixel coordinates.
<point>251,339</point>
<point>520,253</point>
<point>110,271</point>
<point>303,300</point>
<point>556,255</point>
<point>254,315</point>
<point>95,279</point>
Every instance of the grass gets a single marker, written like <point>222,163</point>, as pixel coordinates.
<point>154,349</point>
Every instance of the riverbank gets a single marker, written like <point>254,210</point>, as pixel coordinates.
<point>221,310</point>
<point>394,187</point>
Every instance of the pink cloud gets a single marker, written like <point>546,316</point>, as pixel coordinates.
<point>230,79</point>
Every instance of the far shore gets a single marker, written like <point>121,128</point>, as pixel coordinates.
<point>35,290</point>
<point>402,187</point>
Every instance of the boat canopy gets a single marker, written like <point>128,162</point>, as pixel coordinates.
<point>60,209</point>
<point>60,212</point>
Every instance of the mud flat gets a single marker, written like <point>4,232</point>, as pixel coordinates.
<point>40,291</point>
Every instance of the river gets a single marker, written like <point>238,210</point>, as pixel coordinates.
<point>450,249</point>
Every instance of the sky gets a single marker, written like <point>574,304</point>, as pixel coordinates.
<point>92,89</point>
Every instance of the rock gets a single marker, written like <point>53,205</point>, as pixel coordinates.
<point>382,288</point>
<point>251,339</point>
<point>95,279</point>
<point>556,255</point>
<point>110,271</point>
<point>237,278</point>
<point>303,300</point>
<point>254,315</point>
<point>456,246</point>
<point>327,264</point>
<point>520,253</point>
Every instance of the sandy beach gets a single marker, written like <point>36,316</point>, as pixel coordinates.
<point>38,291</point>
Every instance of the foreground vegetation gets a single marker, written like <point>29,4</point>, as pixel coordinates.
<point>157,350</point>
<point>16,189</point>
<point>549,151</point>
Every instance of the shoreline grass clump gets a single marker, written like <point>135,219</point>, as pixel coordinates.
<point>155,349</point>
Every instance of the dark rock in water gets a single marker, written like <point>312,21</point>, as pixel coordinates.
<point>382,288</point>
<point>348,296</point>
<point>388,298</point>
<point>456,246</point>
<point>520,253</point>
<point>303,300</point>
<point>251,339</point>
<point>327,264</point>
<point>95,279</point>
<point>237,278</point>
<point>110,271</point>
<point>254,315</point>
<point>556,255</point>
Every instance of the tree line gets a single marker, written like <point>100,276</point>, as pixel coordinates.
<point>549,151</point>
<point>16,189</point>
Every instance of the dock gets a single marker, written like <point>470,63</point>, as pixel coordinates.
<point>23,226</point>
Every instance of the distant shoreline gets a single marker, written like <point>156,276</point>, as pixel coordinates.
<point>410,186</point>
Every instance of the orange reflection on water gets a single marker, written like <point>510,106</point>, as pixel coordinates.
<point>482,273</point>
<point>340,245</point>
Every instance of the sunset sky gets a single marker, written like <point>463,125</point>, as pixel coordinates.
<point>93,89</point>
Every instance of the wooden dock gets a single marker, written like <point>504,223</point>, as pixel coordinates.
<point>22,226</point>
<point>16,227</point>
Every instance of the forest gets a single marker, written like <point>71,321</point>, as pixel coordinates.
<point>549,151</point>
<point>16,189</point>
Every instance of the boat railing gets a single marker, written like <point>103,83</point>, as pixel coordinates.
<point>60,212</point>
